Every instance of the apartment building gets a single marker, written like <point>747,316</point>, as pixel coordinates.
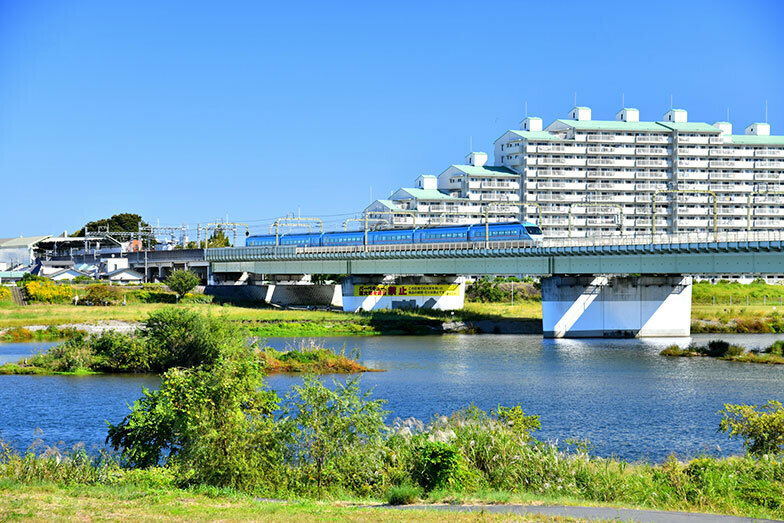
<point>599,177</point>
<point>462,194</point>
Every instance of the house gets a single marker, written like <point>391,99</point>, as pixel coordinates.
<point>66,274</point>
<point>123,276</point>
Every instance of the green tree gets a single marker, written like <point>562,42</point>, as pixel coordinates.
<point>125,222</point>
<point>182,282</point>
<point>326,423</point>
<point>762,428</point>
<point>218,238</point>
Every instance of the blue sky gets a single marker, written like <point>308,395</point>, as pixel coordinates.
<point>187,111</point>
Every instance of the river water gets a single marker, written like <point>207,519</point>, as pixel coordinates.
<point>621,395</point>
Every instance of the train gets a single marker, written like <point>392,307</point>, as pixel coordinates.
<point>445,234</point>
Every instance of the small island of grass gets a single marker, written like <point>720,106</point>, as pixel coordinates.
<point>174,338</point>
<point>726,351</point>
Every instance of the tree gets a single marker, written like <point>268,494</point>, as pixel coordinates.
<point>218,239</point>
<point>762,428</point>
<point>182,282</point>
<point>124,222</point>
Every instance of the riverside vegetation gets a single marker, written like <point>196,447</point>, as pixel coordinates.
<point>214,427</point>
<point>171,337</point>
<point>726,351</point>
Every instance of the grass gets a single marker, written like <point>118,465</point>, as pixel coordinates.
<point>725,351</point>
<point>20,501</point>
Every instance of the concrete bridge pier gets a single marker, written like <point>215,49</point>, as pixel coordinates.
<point>379,291</point>
<point>588,306</point>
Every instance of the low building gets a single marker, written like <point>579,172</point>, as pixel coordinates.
<point>19,251</point>
<point>123,276</point>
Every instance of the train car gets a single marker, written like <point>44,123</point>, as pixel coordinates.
<point>391,237</point>
<point>510,231</point>
<point>448,234</point>
<point>301,240</point>
<point>337,239</point>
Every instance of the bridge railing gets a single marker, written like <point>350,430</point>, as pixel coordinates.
<point>690,237</point>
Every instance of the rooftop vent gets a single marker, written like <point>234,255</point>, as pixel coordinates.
<point>724,127</point>
<point>627,114</point>
<point>676,116</point>
<point>580,113</point>
<point>477,159</point>
<point>531,123</point>
<point>758,129</point>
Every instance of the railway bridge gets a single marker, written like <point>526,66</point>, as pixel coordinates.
<point>611,287</point>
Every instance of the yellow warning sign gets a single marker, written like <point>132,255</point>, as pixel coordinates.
<point>407,290</point>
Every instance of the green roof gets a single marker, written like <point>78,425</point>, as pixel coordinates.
<point>389,204</point>
<point>24,241</point>
<point>750,139</point>
<point>581,107</point>
<point>479,152</point>
<point>612,125</point>
<point>534,135</point>
<point>427,194</point>
<point>690,127</point>
<point>487,170</point>
<point>532,118</point>
<point>678,110</point>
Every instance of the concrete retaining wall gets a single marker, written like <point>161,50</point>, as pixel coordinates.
<point>284,295</point>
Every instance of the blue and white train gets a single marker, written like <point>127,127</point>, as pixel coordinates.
<point>447,234</point>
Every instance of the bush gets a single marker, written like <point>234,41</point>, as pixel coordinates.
<point>776,348</point>
<point>762,428</point>
<point>182,282</point>
<point>73,355</point>
<point>151,296</point>
<point>733,351</point>
<point>117,352</point>
<point>184,338</point>
<point>46,291</point>
<point>717,348</point>
<point>213,423</point>
<point>403,495</point>
<point>103,294</point>
<point>439,465</point>
<point>197,298</point>
<point>5,293</point>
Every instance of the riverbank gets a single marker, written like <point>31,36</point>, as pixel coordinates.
<point>525,317</point>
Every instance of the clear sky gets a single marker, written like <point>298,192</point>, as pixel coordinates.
<point>186,111</point>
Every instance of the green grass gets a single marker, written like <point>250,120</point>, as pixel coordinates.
<point>47,501</point>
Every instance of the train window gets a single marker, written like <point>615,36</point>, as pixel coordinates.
<point>532,229</point>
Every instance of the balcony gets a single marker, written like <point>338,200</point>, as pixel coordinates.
<point>604,186</point>
<point>601,150</point>
<point>692,163</point>
<point>558,173</point>
<point>769,153</point>
<point>693,176</point>
<point>768,176</point>
<point>498,197</point>
<point>652,163</point>
<point>499,185</point>
<point>555,160</point>
<point>610,162</point>
<point>652,175</point>
<point>653,138</point>
<point>650,187</point>
<point>693,151</point>
<point>651,151</point>
<point>768,165</point>
<point>732,152</point>
<point>716,140</point>
<point>703,140</point>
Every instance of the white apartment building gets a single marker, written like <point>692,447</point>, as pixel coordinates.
<point>462,194</point>
<point>593,177</point>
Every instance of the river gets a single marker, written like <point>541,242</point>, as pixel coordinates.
<point>621,395</point>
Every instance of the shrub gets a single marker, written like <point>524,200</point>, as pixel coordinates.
<point>72,355</point>
<point>336,433</point>
<point>673,350</point>
<point>439,465</point>
<point>776,348</point>
<point>403,495</point>
<point>213,422</point>
<point>762,428</point>
<point>197,298</point>
<point>117,352</point>
<point>734,350</point>
<point>184,338</point>
<point>182,282</point>
<point>46,291</point>
<point>5,293</point>
<point>103,294</point>
<point>151,296</point>
<point>717,348</point>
